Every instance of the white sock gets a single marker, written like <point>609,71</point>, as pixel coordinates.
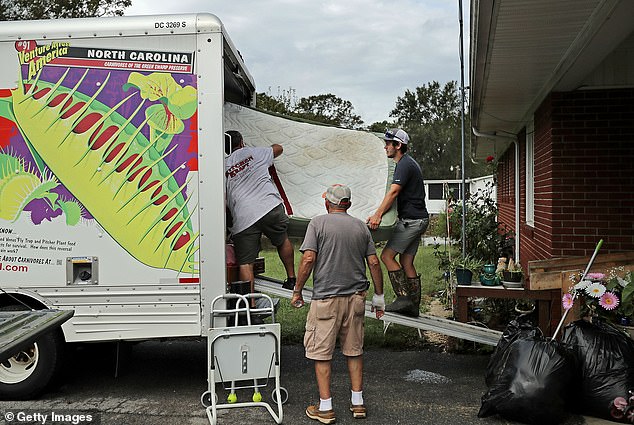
<point>357,398</point>
<point>325,405</point>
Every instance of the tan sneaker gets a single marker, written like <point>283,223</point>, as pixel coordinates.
<point>358,411</point>
<point>325,417</point>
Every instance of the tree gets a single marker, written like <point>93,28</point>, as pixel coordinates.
<point>283,103</point>
<point>324,108</point>
<point>432,116</point>
<point>380,127</point>
<point>11,10</point>
<point>328,109</point>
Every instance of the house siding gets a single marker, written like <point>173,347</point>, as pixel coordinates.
<point>584,176</point>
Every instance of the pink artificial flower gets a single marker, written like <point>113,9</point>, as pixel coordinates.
<point>620,403</point>
<point>595,276</point>
<point>609,301</point>
<point>567,301</point>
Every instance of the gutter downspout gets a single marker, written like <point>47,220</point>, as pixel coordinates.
<point>513,139</point>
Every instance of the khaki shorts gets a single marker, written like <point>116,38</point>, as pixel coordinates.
<point>342,316</point>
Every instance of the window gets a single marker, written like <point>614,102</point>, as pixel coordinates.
<point>434,191</point>
<point>440,191</point>
<point>530,173</point>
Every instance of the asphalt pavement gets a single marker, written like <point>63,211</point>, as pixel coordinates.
<point>160,382</point>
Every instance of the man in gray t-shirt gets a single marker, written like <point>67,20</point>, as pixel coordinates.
<point>336,249</point>
<point>256,206</point>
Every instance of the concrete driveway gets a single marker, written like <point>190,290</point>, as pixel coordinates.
<point>161,383</point>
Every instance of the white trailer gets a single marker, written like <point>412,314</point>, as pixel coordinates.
<point>112,178</point>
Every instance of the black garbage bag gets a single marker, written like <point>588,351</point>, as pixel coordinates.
<point>530,378</point>
<point>520,328</point>
<point>606,362</point>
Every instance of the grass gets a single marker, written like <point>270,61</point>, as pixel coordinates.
<point>292,320</point>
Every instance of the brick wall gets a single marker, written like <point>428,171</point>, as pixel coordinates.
<point>584,176</point>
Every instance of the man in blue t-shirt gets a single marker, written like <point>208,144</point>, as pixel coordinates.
<point>408,190</point>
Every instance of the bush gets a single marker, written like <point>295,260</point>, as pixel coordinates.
<point>484,235</point>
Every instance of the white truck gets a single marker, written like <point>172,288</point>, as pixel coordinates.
<point>105,207</point>
<point>112,176</point>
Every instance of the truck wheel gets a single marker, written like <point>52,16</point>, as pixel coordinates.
<point>29,372</point>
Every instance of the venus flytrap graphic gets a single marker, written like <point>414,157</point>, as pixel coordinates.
<point>104,160</point>
<point>19,186</point>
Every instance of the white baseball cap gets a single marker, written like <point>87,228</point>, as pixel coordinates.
<point>397,134</point>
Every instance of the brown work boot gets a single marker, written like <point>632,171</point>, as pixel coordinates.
<point>358,411</point>
<point>325,417</point>
<point>413,289</point>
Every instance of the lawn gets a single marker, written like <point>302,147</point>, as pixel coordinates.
<point>292,320</point>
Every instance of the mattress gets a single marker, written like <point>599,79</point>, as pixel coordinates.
<point>315,157</point>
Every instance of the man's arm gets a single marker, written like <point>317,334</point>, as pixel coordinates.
<point>305,269</point>
<point>378,300</point>
<point>375,220</point>
<point>277,150</point>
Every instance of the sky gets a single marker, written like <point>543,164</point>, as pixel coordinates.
<point>368,52</point>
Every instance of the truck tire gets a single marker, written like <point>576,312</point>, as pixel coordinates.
<point>29,372</point>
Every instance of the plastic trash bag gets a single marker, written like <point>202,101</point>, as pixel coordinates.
<point>606,362</point>
<point>529,378</point>
<point>522,328</point>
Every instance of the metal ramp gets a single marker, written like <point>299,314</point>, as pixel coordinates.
<point>424,322</point>
<point>19,329</point>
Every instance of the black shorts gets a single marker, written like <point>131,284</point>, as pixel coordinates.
<point>273,225</point>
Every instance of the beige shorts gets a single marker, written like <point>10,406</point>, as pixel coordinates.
<point>331,317</point>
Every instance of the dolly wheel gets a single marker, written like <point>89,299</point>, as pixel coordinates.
<point>284,395</point>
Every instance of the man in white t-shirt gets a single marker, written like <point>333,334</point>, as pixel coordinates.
<point>256,206</point>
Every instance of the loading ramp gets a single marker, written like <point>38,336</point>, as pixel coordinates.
<point>424,322</point>
<point>19,329</point>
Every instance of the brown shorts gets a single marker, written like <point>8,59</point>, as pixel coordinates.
<point>331,317</point>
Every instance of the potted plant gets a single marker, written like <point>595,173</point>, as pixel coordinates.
<point>512,272</point>
<point>464,268</point>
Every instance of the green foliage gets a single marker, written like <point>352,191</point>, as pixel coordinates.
<point>380,127</point>
<point>328,109</point>
<point>484,235</point>
<point>467,262</point>
<point>626,308</point>
<point>431,114</point>
<point>324,108</point>
<point>283,103</point>
<point>11,10</point>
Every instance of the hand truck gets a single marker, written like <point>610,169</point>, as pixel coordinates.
<point>243,357</point>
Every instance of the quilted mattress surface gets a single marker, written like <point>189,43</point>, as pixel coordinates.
<point>316,157</point>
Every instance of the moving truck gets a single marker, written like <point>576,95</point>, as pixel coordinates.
<point>112,198</point>
<point>112,178</point>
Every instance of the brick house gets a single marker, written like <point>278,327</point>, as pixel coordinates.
<point>552,100</point>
